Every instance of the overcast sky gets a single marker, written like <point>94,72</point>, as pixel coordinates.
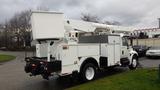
<point>136,13</point>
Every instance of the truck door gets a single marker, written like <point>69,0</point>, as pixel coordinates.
<point>113,50</point>
<point>124,48</point>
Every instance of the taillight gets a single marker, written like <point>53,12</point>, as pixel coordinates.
<point>34,65</point>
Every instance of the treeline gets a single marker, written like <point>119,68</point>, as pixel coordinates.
<point>15,33</point>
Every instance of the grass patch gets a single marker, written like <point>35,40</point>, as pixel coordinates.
<point>140,79</point>
<point>4,58</point>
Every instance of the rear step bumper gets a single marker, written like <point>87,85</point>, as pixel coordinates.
<point>40,66</point>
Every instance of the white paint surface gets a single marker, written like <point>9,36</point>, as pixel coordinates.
<point>47,25</point>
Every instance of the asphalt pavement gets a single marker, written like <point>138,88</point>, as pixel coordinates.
<point>13,77</point>
<point>149,62</point>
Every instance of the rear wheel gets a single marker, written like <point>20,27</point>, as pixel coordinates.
<point>134,63</point>
<point>88,72</point>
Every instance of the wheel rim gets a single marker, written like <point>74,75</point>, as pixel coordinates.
<point>89,73</point>
<point>134,62</point>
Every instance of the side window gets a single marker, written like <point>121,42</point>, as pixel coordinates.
<point>124,42</point>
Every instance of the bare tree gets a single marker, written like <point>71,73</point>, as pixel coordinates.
<point>17,27</point>
<point>89,17</point>
<point>112,23</point>
<point>94,18</point>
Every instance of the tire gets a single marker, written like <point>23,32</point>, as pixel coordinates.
<point>88,72</point>
<point>134,63</point>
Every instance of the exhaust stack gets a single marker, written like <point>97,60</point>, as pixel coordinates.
<point>158,22</point>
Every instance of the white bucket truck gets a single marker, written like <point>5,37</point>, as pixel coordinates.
<point>67,47</point>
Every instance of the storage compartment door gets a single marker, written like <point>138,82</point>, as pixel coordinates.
<point>117,53</point>
<point>111,54</point>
